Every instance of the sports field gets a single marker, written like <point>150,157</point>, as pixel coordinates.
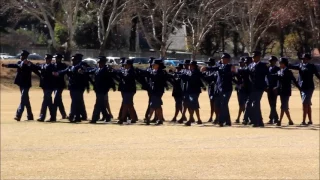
<point>33,150</point>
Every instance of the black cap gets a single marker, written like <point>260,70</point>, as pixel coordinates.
<point>59,56</point>
<point>102,59</point>
<point>306,56</point>
<point>24,53</point>
<point>128,61</point>
<point>256,53</point>
<point>48,56</point>
<point>242,60</point>
<point>77,56</point>
<point>211,61</point>
<point>273,58</point>
<point>186,61</point>
<point>194,63</point>
<point>248,60</point>
<point>284,61</point>
<point>179,66</point>
<point>225,55</point>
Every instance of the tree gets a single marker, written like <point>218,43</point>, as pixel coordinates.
<point>158,19</point>
<point>36,9</point>
<point>68,17</point>
<point>108,14</point>
<point>200,16</point>
<point>252,18</point>
<point>50,12</point>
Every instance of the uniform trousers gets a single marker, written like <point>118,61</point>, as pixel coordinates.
<point>47,104</point>
<point>77,104</point>
<point>223,102</point>
<point>100,106</point>
<point>24,102</point>
<point>254,107</point>
<point>58,103</point>
<point>272,98</point>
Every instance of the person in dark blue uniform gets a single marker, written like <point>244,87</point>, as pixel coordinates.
<point>272,96</point>
<point>149,69</point>
<point>185,95</point>
<point>193,86</point>
<point>306,72</point>
<point>78,82</point>
<point>103,81</point>
<point>175,80</point>
<point>23,80</point>
<point>118,79</point>
<point>224,86</point>
<point>157,83</point>
<point>127,87</point>
<point>211,78</point>
<point>60,85</point>
<point>48,85</point>
<point>283,88</point>
<point>245,76</point>
<point>241,87</point>
<point>258,74</point>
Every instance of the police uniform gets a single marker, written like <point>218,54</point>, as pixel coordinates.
<point>48,85</point>
<point>175,80</point>
<point>305,79</point>
<point>118,79</point>
<point>224,87</point>
<point>272,96</point>
<point>285,79</point>
<point>306,83</point>
<point>128,90</point>
<point>193,85</point>
<point>149,69</point>
<point>245,74</point>
<point>258,72</point>
<point>243,86</point>
<point>185,95</point>
<point>102,83</point>
<point>60,85</point>
<point>78,82</point>
<point>211,79</point>
<point>23,80</point>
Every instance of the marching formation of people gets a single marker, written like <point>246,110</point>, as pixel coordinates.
<point>251,79</point>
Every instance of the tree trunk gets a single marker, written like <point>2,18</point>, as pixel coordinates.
<point>102,48</point>
<point>281,41</point>
<point>222,32</point>
<point>235,43</point>
<point>163,50</point>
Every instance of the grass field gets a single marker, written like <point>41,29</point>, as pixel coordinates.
<point>33,150</point>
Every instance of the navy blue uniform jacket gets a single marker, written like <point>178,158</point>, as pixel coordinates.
<point>192,81</point>
<point>48,80</point>
<point>77,81</point>
<point>60,82</point>
<point>224,77</point>
<point>175,80</point>
<point>285,79</point>
<point>258,73</point>
<point>244,84</point>
<point>306,72</point>
<point>273,76</point>
<point>103,79</point>
<point>23,76</point>
<point>127,80</point>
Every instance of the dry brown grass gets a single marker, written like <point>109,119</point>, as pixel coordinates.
<point>32,150</point>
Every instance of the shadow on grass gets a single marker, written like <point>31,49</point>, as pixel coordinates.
<point>315,127</point>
